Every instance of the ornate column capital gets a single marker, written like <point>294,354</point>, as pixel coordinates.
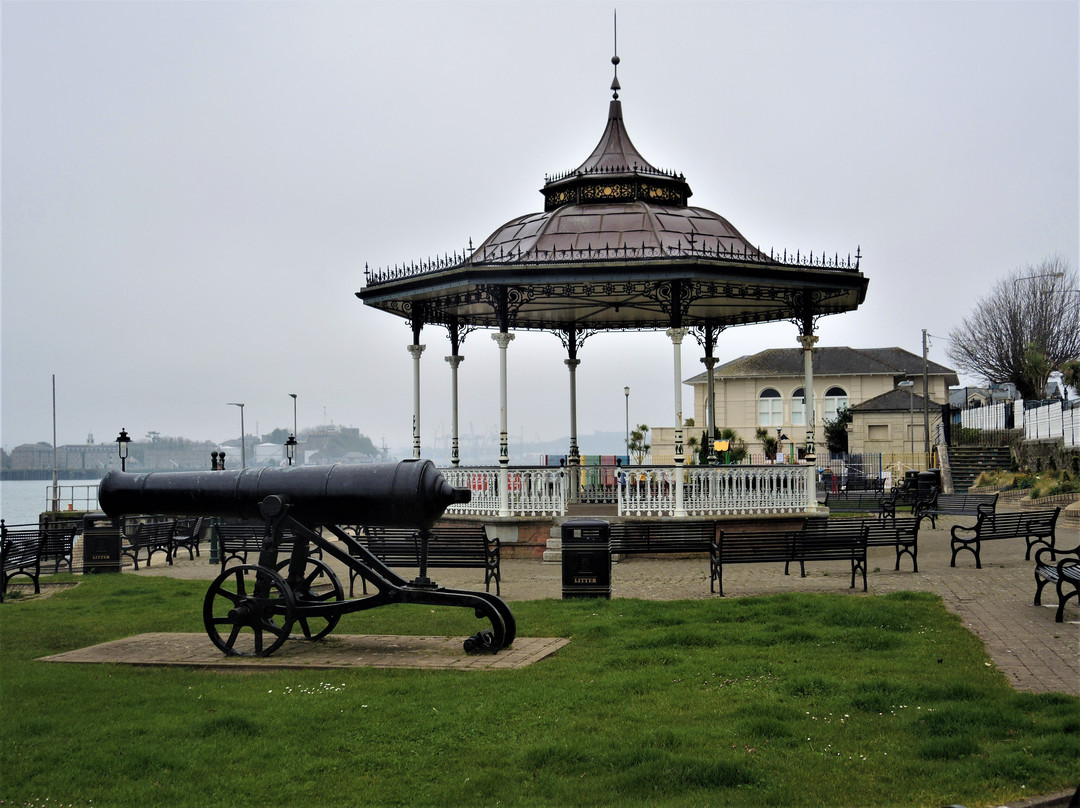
<point>572,363</point>
<point>808,341</point>
<point>677,334</point>
<point>415,350</point>
<point>504,338</point>
<point>710,361</point>
<point>455,360</point>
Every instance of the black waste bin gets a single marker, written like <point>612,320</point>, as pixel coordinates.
<point>101,539</point>
<point>929,480</point>
<point>586,559</point>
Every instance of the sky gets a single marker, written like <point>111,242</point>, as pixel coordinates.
<point>191,190</point>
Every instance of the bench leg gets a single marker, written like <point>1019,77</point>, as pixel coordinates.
<point>1039,584</point>
<point>1062,598</point>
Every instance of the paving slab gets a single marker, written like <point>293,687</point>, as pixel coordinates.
<point>333,652</point>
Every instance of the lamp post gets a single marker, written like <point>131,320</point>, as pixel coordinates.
<point>243,438</point>
<point>295,431</point>
<point>910,385</point>
<point>290,449</point>
<point>122,442</point>
<point>626,392</point>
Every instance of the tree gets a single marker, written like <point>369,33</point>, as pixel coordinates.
<point>836,431</point>
<point>638,447</point>
<point>1070,373</point>
<point>769,443</point>
<point>1031,310</point>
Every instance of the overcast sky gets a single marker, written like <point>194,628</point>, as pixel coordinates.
<point>191,190</point>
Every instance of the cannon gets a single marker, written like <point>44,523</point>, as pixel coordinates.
<point>250,609</point>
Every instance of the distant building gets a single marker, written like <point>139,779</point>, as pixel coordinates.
<point>766,390</point>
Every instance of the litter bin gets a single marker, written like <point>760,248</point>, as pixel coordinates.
<point>101,543</point>
<point>586,559</point>
<point>929,480</point>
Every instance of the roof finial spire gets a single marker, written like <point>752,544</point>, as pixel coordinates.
<point>615,59</point>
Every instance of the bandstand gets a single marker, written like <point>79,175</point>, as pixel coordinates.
<point>618,247</point>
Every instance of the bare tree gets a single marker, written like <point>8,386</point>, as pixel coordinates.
<point>1033,311</point>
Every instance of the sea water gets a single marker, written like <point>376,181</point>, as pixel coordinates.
<point>22,501</point>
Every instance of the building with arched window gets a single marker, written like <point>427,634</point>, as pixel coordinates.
<point>766,389</point>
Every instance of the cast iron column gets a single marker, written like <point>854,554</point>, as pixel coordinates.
<point>455,458</point>
<point>808,341</point>
<point>416,350</point>
<point>677,335</point>
<point>710,407</point>
<point>503,339</point>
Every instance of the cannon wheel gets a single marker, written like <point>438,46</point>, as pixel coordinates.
<point>248,610</point>
<point>311,591</point>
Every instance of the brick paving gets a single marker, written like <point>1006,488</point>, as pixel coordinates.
<point>1034,652</point>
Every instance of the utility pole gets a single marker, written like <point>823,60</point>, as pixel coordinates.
<point>926,400</point>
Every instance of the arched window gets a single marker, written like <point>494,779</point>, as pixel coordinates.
<point>770,408</point>
<point>798,408</point>
<point>836,398</point>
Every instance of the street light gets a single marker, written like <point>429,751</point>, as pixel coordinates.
<point>243,439</point>
<point>122,442</point>
<point>910,385</point>
<point>290,449</point>
<point>295,431</point>
<point>626,392</point>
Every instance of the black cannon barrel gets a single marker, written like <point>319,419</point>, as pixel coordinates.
<point>411,493</point>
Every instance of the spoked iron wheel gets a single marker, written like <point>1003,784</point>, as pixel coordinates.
<point>318,586</point>
<point>248,610</point>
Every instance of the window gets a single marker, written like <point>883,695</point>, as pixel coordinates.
<point>798,408</point>
<point>770,408</point>
<point>836,398</point>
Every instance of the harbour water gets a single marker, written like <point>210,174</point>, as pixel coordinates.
<point>22,501</point>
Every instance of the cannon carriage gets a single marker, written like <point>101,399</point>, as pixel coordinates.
<point>252,609</point>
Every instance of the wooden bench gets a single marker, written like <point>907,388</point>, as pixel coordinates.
<point>902,534</point>
<point>449,547</point>
<point>1035,527</point>
<point>155,536</point>
<point>236,542</point>
<point>59,544</point>
<point>854,502</point>
<point>1061,568</point>
<point>938,504</point>
<point>655,538</point>
<point>20,554</point>
<point>187,536</point>
<point>857,482</point>
<point>843,540</point>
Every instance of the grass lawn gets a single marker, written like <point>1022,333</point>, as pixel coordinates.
<point>786,700</point>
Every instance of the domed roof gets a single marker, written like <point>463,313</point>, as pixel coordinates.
<point>615,200</point>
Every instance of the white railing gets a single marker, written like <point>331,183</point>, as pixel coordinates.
<point>71,497</point>
<point>640,490</point>
<point>715,490</point>
<point>530,491</point>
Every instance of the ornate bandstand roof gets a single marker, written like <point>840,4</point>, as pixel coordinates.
<point>617,246</point>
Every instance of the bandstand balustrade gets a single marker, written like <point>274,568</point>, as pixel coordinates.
<point>637,490</point>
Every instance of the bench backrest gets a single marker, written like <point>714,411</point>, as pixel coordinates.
<point>762,545</point>
<point>146,532</point>
<point>21,548</point>
<point>644,536</point>
<point>1023,523</point>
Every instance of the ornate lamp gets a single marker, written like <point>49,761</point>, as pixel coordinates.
<point>122,442</point>
<point>290,449</point>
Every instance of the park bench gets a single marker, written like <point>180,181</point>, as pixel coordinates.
<point>901,534</point>
<point>20,554</point>
<point>187,536</point>
<point>840,540</point>
<point>655,538</point>
<point>937,504</point>
<point>449,547</point>
<point>858,482</point>
<point>59,544</point>
<point>854,502</point>
<point>155,536</point>
<point>1061,568</point>
<point>237,541</point>
<point>1035,527</point>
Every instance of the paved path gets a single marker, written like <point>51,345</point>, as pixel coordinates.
<point>1035,653</point>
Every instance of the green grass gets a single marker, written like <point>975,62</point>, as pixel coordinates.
<point>787,700</point>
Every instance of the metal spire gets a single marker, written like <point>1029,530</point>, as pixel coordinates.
<point>615,59</point>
